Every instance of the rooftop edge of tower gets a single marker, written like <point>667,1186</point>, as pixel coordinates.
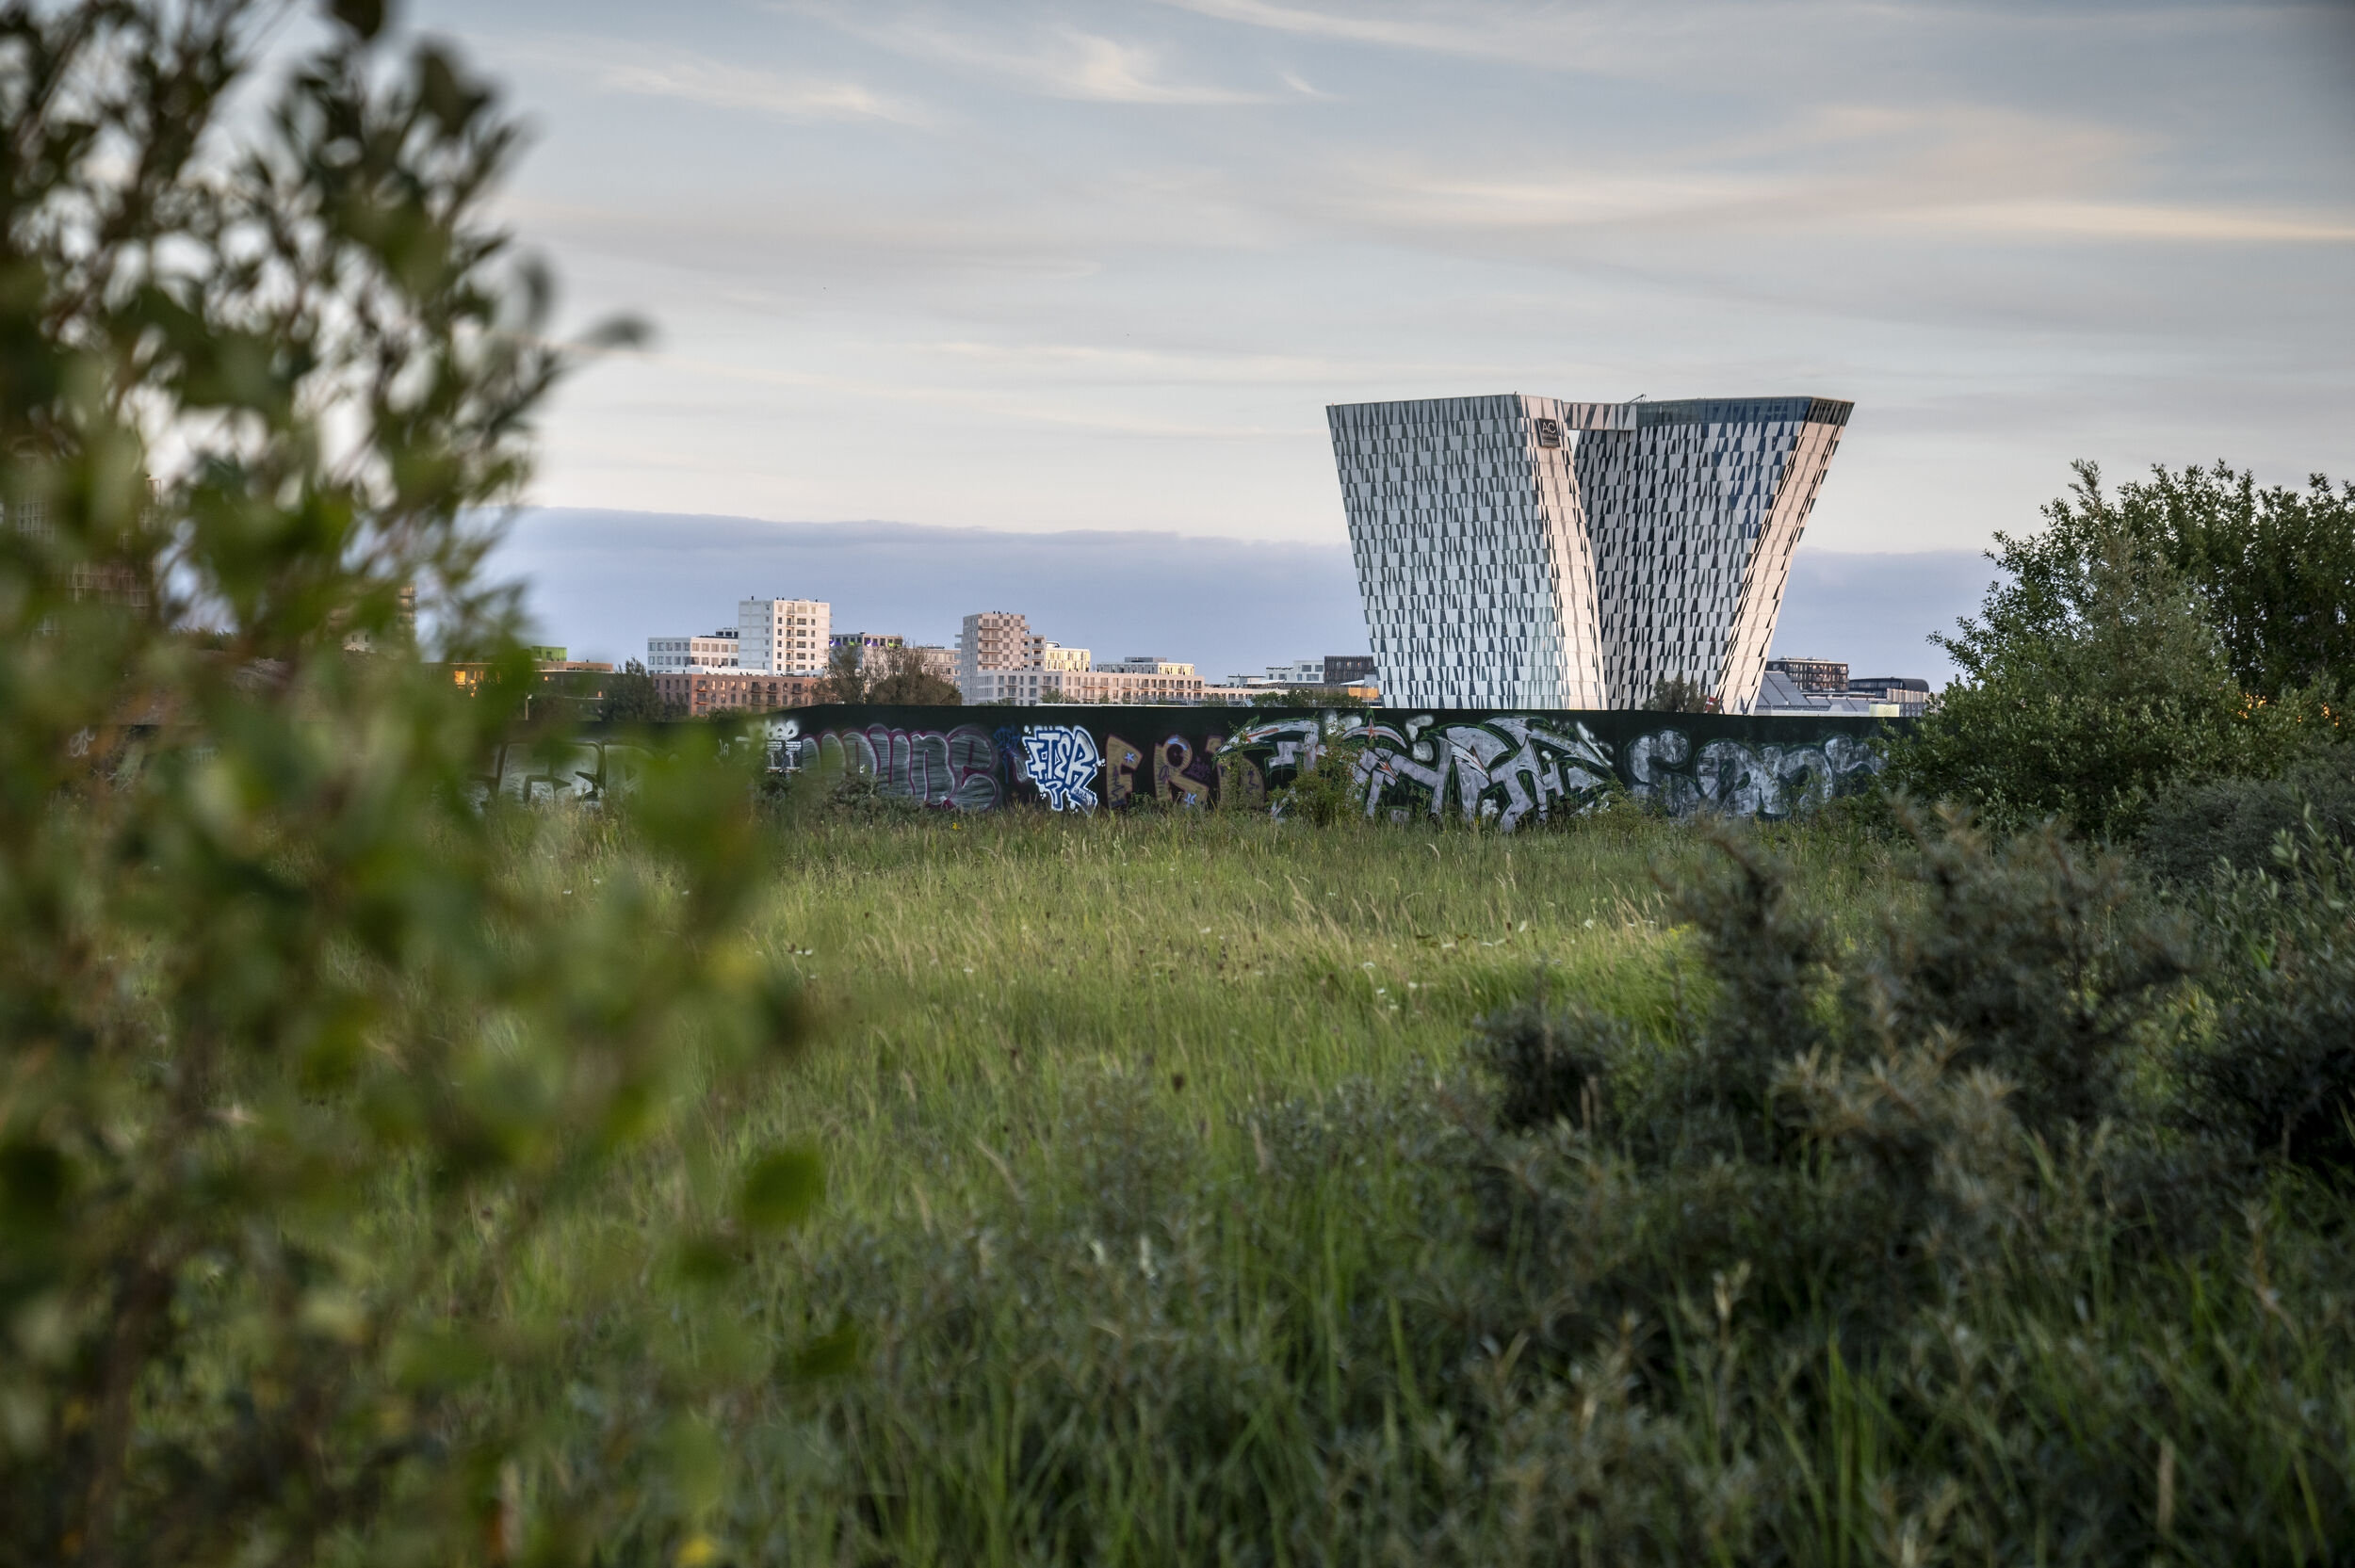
<point>1644,415</point>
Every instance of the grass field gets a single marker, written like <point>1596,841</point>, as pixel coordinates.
<point>1173,1226</point>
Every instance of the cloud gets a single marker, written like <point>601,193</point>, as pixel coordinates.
<point>1056,61</point>
<point>617,66</point>
<point>2124,221</point>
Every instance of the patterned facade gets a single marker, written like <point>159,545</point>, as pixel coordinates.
<point>1526,551</point>
<point>1471,551</point>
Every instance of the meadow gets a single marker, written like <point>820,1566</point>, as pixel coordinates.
<point>1174,1219</point>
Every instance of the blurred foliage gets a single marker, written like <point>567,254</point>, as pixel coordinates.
<point>305,1051</point>
<point>631,698</point>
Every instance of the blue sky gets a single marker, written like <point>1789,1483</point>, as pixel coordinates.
<point>1054,266</point>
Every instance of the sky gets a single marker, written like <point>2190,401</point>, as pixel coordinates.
<point>1099,268</point>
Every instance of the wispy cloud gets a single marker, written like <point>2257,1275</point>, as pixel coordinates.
<point>616,66</point>
<point>2119,220</point>
<point>1055,61</point>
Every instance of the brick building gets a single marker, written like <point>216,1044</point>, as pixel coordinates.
<point>694,693</point>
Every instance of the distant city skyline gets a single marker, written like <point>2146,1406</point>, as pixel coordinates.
<point>604,582</point>
<point>1045,265</point>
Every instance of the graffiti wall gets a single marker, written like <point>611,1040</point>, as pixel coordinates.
<point>586,769</point>
<point>1505,767</point>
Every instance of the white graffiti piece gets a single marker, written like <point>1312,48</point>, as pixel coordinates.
<point>1531,764</point>
<point>587,772</point>
<point>1298,741</point>
<point>1062,760</point>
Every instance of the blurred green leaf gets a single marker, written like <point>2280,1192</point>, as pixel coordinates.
<point>781,1188</point>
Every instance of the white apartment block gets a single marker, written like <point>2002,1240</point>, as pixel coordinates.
<point>1519,551</point>
<point>712,652</point>
<point>784,636</point>
<point>1054,656</point>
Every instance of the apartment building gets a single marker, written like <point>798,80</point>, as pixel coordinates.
<point>713,651</point>
<point>783,637</point>
<point>868,643</point>
<point>1131,680</point>
<point>995,639</point>
<point>694,693</point>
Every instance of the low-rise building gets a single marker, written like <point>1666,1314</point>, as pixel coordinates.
<point>694,693</point>
<point>1131,680</point>
<point>868,643</point>
<point>1875,697</point>
<point>1910,696</point>
<point>714,651</point>
<point>1822,676</point>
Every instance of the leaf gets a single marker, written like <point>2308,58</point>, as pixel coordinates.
<point>781,1188</point>
<point>364,17</point>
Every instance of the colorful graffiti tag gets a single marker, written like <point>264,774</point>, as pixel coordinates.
<point>1502,767</point>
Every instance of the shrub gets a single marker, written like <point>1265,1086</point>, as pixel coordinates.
<point>2199,825</point>
<point>1328,791</point>
<point>2275,1079</point>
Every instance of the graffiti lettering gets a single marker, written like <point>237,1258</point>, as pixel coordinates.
<point>1060,759</point>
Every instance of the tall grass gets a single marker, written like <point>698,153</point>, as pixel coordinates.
<point>1174,1224</point>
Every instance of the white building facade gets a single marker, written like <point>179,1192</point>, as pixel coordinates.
<point>1520,551</point>
<point>714,652</point>
<point>783,637</point>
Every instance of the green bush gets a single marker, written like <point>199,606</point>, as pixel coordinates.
<point>2275,1077</point>
<point>311,1045</point>
<point>2235,822</point>
<point>1328,791</point>
<point>2090,681</point>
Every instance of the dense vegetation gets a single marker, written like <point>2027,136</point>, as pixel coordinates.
<point>390,1171</point>
<point>304,1048</point>
<point>2189,627</point>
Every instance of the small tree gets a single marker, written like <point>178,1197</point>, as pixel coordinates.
<point>631,698</point>
<point>2088,681</point>
<point>846,676</point>
<point>1678,695</point>
<point>907,680</point>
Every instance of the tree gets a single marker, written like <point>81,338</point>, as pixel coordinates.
<point>907,680</point>
<point>2090,681</point>
<point>845,680</point>
<point>2273,568</point>
<point>302,1059</point>
<point>631,698</point>
<point>1678,695</point>
<point>1306,697</point>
